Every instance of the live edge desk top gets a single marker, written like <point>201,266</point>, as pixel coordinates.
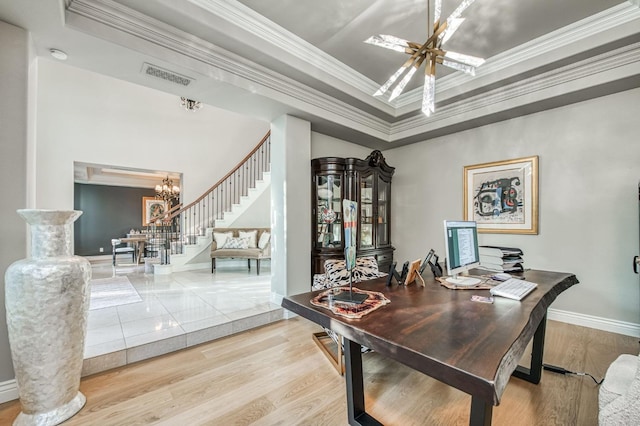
<point>472,346</point>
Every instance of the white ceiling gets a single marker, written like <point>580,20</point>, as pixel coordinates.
<point>306,58</point>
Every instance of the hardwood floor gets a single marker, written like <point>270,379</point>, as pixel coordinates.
<point>276,375</point>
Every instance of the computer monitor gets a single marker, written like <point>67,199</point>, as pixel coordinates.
<point>461,246</point>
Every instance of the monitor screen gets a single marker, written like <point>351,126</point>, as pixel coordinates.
<point>461,246</point>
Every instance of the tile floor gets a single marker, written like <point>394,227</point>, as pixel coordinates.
<point>178,310</point>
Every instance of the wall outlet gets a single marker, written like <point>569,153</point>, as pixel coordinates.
<point>101,249</point>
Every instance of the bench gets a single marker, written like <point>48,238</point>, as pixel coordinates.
<point>241,243</point>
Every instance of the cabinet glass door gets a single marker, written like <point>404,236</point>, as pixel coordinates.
<point>366,211</point>
<point>382,231</point>
<point>329,211</point>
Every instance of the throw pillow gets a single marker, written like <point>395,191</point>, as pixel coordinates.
<point>337,274</point>
<point>252,236</point>
<point>236,243</point>
<point>264,240</point>
<point>366,269</point>
<point>221,237</point>
<point>319,282</point>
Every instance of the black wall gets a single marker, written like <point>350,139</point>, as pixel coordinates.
<point>108,212</point>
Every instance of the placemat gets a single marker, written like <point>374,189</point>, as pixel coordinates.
<point>351,310</point>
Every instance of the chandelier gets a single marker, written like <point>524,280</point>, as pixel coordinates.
<point>190,104</point>
<point>167,191</point>
<point>430,52</point>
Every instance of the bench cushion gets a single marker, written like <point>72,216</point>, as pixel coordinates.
<point>242,253</point>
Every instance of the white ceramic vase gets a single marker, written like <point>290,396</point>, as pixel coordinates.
<point>47,301</point>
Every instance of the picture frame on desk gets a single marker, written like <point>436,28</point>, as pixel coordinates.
<point>152,208</point>
<point>502,196</point>
<point>414,273</point>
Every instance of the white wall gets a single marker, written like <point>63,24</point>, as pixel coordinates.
<point>589,169</point>
<point>258,214</point>
<point>92,118</point>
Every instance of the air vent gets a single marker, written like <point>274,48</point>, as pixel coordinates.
<point>155,71</point>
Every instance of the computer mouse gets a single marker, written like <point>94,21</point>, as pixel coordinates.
<point>501,276</point>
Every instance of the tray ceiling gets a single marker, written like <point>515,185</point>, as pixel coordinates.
<point>308,59</point>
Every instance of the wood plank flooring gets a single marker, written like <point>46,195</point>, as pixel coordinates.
<point>276,375</point>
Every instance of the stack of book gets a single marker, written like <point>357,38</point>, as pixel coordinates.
<point>501,259</point>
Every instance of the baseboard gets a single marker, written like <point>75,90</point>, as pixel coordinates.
<point>276,298</point>
<point>8,391</point>
<point>599,323</point>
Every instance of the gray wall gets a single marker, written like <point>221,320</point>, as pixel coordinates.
<point>108,212</point>
<point>327,146</point>
<point>14,74</point>
<point>589,156</point>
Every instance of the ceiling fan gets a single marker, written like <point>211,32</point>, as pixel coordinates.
<point>430,52</point>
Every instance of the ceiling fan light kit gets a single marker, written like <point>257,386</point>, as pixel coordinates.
<point>430,52</point>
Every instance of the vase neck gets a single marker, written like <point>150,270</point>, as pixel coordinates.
<point>50,241</point>
<point>50,231</point>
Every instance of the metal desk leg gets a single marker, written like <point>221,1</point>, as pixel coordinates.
<point>534,373</point>
<point>355,385</point>
<point>481,412</point>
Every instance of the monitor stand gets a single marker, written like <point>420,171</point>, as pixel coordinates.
<point>348,296</point>
<point>463,281</point>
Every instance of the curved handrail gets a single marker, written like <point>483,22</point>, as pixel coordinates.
<point>217,184</point>
<point>166,216</point>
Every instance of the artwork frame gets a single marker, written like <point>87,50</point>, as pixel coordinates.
<point>152,207</point>
<point>502,196</point>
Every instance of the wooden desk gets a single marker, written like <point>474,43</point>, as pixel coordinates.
<point>138,242</point>
<point>474,347</point>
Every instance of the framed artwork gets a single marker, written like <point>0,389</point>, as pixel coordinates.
<point>502,197</point>
<point>152,208</point>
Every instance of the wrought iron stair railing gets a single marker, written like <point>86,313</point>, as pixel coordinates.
<point>183,225</point>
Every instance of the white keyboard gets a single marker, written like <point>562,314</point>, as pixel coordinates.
<point>513,288</point>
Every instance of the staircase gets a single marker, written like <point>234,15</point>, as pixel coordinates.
<point>189,230</point>
<point>237,210</point>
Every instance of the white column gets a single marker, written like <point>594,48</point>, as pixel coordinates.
<point>290,206</point>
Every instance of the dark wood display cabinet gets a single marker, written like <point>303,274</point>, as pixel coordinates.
<point>368,182</point>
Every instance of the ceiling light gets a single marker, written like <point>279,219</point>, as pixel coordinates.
<point>190,104</point>
<point>167,191</point>
<point>430,52</point>
<point>58,54</point>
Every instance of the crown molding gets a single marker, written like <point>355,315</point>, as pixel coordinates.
<point>582,31</point>
<point>324,67</point>
<point>612,65</point>
<point>253,77</point>
<point>148,36</point>
<point>577,37</point>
